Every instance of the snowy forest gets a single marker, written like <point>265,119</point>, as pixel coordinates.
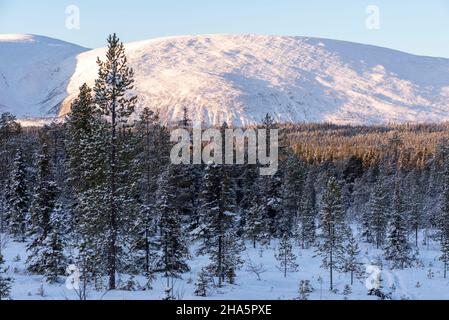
<point>354,212</point>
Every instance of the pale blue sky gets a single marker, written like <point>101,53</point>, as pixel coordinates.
<point>415,26</point>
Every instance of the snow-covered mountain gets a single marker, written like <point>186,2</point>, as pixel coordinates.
<point>34,73</point>
<point>236,79</point>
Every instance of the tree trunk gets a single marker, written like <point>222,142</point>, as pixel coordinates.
<point>331,272</point>
<point>285,266</point>
<point>113,210</point>
<point>147,252</point>
<point>416,236</point>
<point>220,252</point>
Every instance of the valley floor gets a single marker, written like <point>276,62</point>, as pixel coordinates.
<point>414,283</point>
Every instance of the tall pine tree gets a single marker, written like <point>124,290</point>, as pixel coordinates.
<point>113,97</point>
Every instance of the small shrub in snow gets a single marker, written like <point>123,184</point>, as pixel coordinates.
<point>305,289</point>
<point>347,291</point>
<point>203,284</point>
<point>129,285</point>
<point>256,269</point>
<point>41,291</point>
<point>286,257</point>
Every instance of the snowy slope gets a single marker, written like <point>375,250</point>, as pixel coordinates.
<point>241,78</point>
<point>32,80</point>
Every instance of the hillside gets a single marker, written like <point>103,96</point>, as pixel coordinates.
<point>237,79</point>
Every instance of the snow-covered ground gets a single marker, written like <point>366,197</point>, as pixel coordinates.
<point>236,78</point>
<point>413,283</point>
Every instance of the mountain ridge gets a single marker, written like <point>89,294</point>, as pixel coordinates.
<point>240,78</point>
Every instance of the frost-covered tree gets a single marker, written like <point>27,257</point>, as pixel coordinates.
<point>53,247</point>
<point>203,284</point>
<point>305,289</point>
<point>397,249</point>
<point>5,281</point>
<point>43,204</point>
<point>307,214</point>
<point>152,155</point>
<point>112,96</point>
<point>218,224</point>
<point>255,226</point>
<point>378,214</point>
<point>81,123</point>
<point>444,221</point>
<point>333,228</point>
<point>172,242</point>
<point>86,179</point>
<point>285,256</point>
<point>18,199</point>
<point>292,189</point>
<point>349,257</point>
<point>10,130</point>
<point>415,203</point>
<point>46,250</point>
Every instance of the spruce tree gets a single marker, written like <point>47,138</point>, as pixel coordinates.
<point>415,203</point>
<point>53,247</point>
<point>86,177</point>
<point>379,208</point>
<point>292,189</point>
<point>5,281</point>
<point>173,248</point>
<point>444,221</point>
<point>112,95</point>
<point>10,130</point>
<point>397,249</point>
<point>305,289</point>
<point>307,220</point>
<point>43,204</point>
<point>333,228</point>
<point>81,124</point>
<point>271,204</point>
<point>203,284</point>
<point>152,155</point>
<point>218,224</point>
<point>255,226</point>
<point>286,257</point>
<point>349,257</point>
<point>18,200</point>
